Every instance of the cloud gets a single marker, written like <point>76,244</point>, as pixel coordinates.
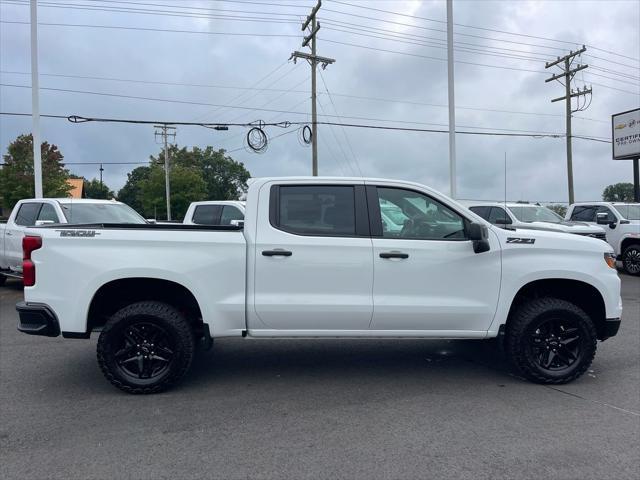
<point>536,168</point>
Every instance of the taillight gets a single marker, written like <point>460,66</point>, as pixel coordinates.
<point>29,244</point>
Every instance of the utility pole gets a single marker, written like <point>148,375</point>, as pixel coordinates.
<point>313,60</point>
<point>452,101</point>
<point>101,170</point>
<point>35,102</point>
<point>166,131</point>
<point>568,73</point>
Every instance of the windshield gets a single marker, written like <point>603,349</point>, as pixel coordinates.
<point>100,213</point>
<point>630,212</point>
<point>534,213</point>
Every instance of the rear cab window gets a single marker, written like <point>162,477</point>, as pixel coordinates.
<point>207,214</point>
<point>27,214</point>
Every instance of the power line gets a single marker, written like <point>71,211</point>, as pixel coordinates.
<point>86,92</point>
<point>369,7</point>
<point>281,90</point>
<point>287,124</point>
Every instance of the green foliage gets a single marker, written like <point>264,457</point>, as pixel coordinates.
<point>130,193</point>
<point>16,176</point>
<point>618,192</point>
<point>94,189</point>
<point>187,186</point>
<point>196,174</point>
<point>225,178</point>
<point>559,209</point>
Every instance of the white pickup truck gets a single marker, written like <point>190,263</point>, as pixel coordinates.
<point>43,211</point>
<point>315,259</point>
<point>622,226</point>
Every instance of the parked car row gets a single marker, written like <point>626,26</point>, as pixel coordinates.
<point>47,211</point>
<point>615,222</point>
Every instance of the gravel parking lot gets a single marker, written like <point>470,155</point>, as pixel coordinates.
<point>319,409</point>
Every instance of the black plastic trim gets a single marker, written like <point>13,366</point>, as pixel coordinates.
<point>610,328</point>
<point>37,319</point>
<point>83,335</point>
<point>141,226</point>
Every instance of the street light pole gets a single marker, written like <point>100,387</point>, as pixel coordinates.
<point>35,102</point>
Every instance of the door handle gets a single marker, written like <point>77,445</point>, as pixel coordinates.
<point>9,234</point>
<point>394,255</point>
<point>278,252</point>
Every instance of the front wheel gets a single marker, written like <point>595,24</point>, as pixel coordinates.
<point>550,340</point>
<point>146,347</point>
<point>631,259</point>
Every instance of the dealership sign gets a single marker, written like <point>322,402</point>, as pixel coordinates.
<point>625,138</point>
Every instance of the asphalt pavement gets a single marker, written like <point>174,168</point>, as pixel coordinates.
<point>319,409</point>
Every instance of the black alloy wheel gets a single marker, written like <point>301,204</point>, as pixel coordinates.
<point>631,260</point>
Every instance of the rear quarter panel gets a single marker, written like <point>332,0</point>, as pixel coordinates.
<point>211,265</point>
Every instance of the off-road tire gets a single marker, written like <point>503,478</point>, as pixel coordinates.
<point>165,318</point>
<point>630,256</point>
<point>521,328</point>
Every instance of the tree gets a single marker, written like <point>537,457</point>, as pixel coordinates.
<point>187,186</point>
<point>130,193</point>
<point>559,209</point>
<point>96,189</point>
<point>225,178</point>
<point>618,192</point>
<point>16,176</point>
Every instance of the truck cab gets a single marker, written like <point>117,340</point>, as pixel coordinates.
<point>621,222</point>
<point>215,212</point>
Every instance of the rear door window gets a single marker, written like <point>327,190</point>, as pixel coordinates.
<point>498,215</point>
<point>207,214</point>
<point>317,210</point>
<point>48,213</point>
<point>230,213</point>
<point>27,214</point>
<point>481,211</point>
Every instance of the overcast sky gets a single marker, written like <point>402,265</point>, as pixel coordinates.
<point>406,89</point>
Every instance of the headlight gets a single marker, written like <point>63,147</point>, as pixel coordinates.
<point>610,258</point>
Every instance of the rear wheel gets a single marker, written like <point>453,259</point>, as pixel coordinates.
<point>146,347</point>
<point>631,259</point>
<point>549,340</point>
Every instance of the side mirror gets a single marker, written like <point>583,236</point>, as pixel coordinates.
<point>479,235</point>
<point>602,219</point>
<point>39,223</point>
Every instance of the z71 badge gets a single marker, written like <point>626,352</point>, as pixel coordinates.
<point>527,241</point>
<point>78,233</point>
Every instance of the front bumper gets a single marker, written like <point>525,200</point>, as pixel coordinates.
<point>37,319</point>
<point>610,328</point>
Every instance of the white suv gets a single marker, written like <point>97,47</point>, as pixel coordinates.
<point>623,232</point>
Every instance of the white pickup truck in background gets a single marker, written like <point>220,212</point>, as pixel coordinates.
<point>532,217</point>
<point>316,259</point>
<point>215,212</point>
<point>35,212</point>
<point>622,225</point>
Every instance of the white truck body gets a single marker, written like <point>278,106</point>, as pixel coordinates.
<point>621,222</point>
<point>315,260</point>
<point>532,217</point>
<point>215,212</point>
<point>31,212</point>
